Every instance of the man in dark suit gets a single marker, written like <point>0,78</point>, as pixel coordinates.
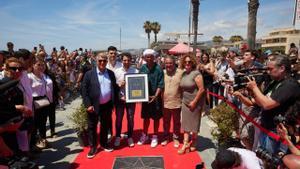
<point>99,93</point>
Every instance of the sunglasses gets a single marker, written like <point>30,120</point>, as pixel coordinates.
<point>15,68</point>
<point>188,61</point>
<point>40,64</point>
<point>100,61</point>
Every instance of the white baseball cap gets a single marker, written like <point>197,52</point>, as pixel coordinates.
<point>150,52</point>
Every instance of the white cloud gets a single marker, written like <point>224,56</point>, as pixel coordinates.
<point>223,24</point>
<point>143,35</point>
<point>91,13</point>
<point>76,25</point>
<point>233,21</point>
<point>96,24</point>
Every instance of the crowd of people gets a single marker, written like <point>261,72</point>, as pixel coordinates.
<point>42,82</point>
<point>179,88</point>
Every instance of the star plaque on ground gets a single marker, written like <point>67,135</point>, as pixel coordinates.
<point>154,162</point>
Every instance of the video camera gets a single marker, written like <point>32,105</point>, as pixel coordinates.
<point>271,160</point>
<point>7,84</point>
<point>280,119</point>
<point>290,117</point>
<point>241,79</point>
<point>8,114</point>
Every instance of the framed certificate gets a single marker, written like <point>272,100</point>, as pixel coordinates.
<point>136,88</point>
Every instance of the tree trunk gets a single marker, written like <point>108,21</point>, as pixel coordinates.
<point>155,37</point>
<point>148,40</point>
<point>252,15</point>
<point>195,6</point>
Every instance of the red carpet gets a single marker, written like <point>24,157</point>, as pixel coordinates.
<point>105,160</point>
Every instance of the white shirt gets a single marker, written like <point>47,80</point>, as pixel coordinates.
<point>120,73</point>
<point>120,76</point>
<point>49,88</point>
<point>230,72</point>
<point>222,68</point>
<point>105,86</point>
<point>249,159</point>
<point>25,86</point>
<point>113,68</point>
<point>38,85</point>
<point>2,75</point>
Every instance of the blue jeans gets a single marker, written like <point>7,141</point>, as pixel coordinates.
<point>130,108</point>
<point>270,144</point>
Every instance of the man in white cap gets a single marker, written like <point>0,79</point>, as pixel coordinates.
<point>153,108</point>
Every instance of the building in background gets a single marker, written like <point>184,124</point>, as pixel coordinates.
<point>280,40</point>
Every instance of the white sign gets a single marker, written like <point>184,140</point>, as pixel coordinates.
<point>296,21</point>
<point>298,11</point>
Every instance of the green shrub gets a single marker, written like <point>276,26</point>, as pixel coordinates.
<point>79,119</point>
<point>226,119</point>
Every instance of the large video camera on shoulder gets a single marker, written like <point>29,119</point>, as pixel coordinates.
<point>241,79</point>
<point>8,113</point>
<point>271,160</point>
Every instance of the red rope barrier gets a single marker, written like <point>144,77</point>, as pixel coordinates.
<point>250,119</point>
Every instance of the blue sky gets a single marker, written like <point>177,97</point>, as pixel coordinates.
<point>96,23</point>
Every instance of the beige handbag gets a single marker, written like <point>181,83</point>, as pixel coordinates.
<point>40,102</point>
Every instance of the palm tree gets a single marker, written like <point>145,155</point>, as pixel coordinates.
<point>217,39</point>
<point>252,15</point>
<point>236,38</point>
<point>195,7</point>
<point>147,27</point>
<point>155,27</point>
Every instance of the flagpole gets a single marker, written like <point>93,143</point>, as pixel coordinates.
<point>295,13</point>
<point>120,38</point>
<point>189,35</point>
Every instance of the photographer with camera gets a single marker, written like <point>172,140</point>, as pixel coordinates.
<point>249,62</point>
<point>291,160</point>
<point>249,67</point>
<point>279,95</point>
<point>11,104</point>
<point>288,130</point>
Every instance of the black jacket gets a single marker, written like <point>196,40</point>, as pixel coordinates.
<point>91,89</point>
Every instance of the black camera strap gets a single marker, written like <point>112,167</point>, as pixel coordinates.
<point>272,87</point>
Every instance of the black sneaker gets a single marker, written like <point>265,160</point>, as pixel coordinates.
<point>108,149</point>
<point>53,135</point>
<point>35,149</point>
<point>92,153</point>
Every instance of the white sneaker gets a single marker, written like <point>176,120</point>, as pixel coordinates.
<point>164,143</point>
<point>109,137</point>
<point>154,141</point>
<point>143,139</point>
<point>130,142</point>
<point>117,141</point>
<point>176,143</point>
